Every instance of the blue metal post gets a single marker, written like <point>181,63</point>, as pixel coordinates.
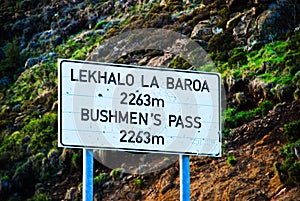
<point>87,187</point>
<point>184,178</point>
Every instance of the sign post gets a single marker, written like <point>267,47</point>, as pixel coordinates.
<point>184,171</point>
<point>87,176</point>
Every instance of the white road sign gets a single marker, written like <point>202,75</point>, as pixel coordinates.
<point>135,108</point>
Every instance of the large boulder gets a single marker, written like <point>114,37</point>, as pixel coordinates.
<point>31,62</point>
<point>244,27</point>
<point>276,21</point>
<point>202,30</point>
<point>205,29</point>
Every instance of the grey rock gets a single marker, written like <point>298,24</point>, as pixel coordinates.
<point>259,89</point>
<point>283,93</point>
<point>5,81</point>
<point>31,62</point>
<point>92,20</point>
<point>62,23</point>
<point>73,27</point>
<point>19,26</point>
<point>277,20</point>
<point>100,31</point>
<point>47,34</point>
<point>48,14</point>
<point>161,61</point>
<point>27,26</point>
<point>56,40</point>
<point>245,26</point>
<point>53,25</point>
<point>133,195</point>
<point>33,45</point>
<point>26,139</point>
<point>108,185</point>
<point>50,55</point>
<point>201,30</point>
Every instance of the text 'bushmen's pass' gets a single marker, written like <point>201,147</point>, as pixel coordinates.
<point>112,106</point>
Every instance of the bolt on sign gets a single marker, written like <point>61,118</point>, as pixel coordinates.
<point>142,109</point>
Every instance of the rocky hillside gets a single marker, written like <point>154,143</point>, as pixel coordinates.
<point>255,46</point>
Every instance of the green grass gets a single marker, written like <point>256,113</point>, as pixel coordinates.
<point>275,62</point>
<point>234,118</point>
<point>289,168</point>
<point>292,131</point>
<point>231,161</point>
<point>138,183</point>
<point>101,178</point>
<point>78,48</point>
<point>117,173</point>
<point>100,25</point>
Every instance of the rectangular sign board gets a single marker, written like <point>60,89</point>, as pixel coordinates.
<point>135,108</point>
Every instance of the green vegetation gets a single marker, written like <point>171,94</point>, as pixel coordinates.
<point>14,60</point>
<point>276,63</point>
<point>117,173</point>
<point>39,197</point>
<point>231,160</point>
<point>101,178</point>
<point>235,118</point>
<point>289,169</point>
<point>179,63</point>
<point>74,159</point>
<point>292,131</point>
<point>79,46</point>
<point>100,25</point>
<point>138,183</point>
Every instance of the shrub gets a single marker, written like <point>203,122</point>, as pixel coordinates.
<point>234,118</point>
<point>43,131</point>
<point>231,161</point>
<point>294,173</point>
<point>224,13</point>
<point>220,44</point>
<point>179,63</point>
<point>289,169</point>
<point>238,57</point>
<point>74,159</point>
<point>13,59</point>
<point>117,173</point>
<point>39,197</point>
<point>291,131</point>
<point>101,24</point>
<point>101,178</point>
<point>265,107</point>
<point>138,183</point>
